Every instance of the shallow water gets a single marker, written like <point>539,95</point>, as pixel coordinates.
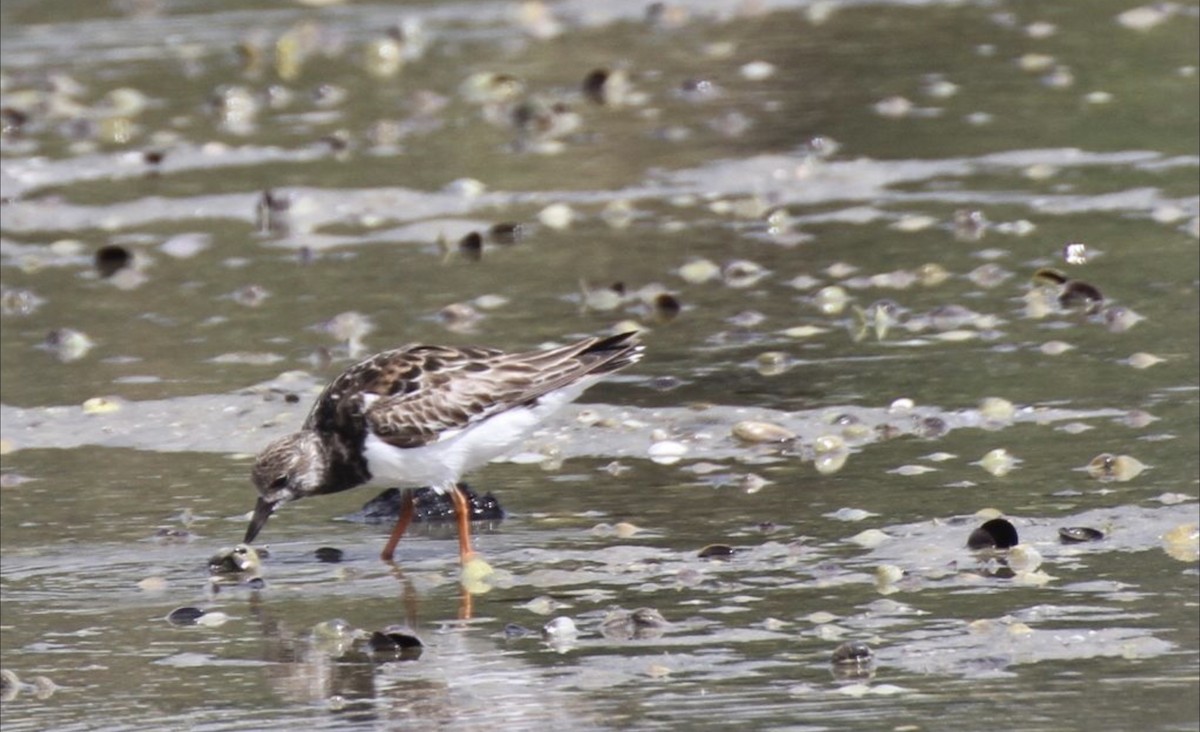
<point>218,336</point>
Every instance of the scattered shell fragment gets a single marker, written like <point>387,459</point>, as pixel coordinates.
<point>998,462</point>
<point>459,316</point>
<point>1119,319</point>
<point>869,539</point>
<point>642,623</point>
<point>893,107</point>
<point>831,462</point>
<point>1075,253</point>
<point>970,225</point>
<point>489,87</point>
<point>757,70</point>
<point>101,405</point>
<point>556,216</point>
<point>989,275</point>
<point>1145,17</point>
<point>888,574</point>
<point>1183,542</point>
<point>772,363</point>
<point>932,274</point>
<point>626,530</point>
<point>831,300</point>
<point>476,575</point>
<point>1055,348</point>
<point>1109,467</point>
<point>997,409</point>
<point>1024,558</point>
<point>560,628</point>
<point>667,448</point>
<point>241,559</point>
<point>742,273</point>
<point>1142,360</point>
<point>697,271</point>
<point>753,483</point>
<point>753,431</point>
<point>543,605</point>
<point>384,57</point>
<point>612,88</point>
<point>10,685</point>
<point>850,514</point>
<point>68,344</point>
<point>829,444</point>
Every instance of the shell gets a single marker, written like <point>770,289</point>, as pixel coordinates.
<point>757,432</point>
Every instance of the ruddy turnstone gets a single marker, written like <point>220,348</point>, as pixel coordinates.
<point>425,415</point>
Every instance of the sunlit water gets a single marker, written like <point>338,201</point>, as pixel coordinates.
<point>922,160</point>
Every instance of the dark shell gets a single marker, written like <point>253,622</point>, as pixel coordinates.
<point>1080,294</point>
<point>513,630</point>
<point>185,616</point>
<point>667,306</point>
<point>396,641</point>
<point>717,551</point>
<point>506,233</point>
<point>234,561</point>
<point>1079,534</point>
<point>1049,276</point>
<point>593,85</point>
<point>995,534</point>
<point>329,554</point>
<point>471,246</point>
<point>112,259</point>
<point>852,653</point>
<point>932,427</point>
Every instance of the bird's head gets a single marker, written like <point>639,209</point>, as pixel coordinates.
<point>288,469</point>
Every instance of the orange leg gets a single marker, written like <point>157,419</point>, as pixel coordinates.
<point>406,516</point>
<point>463,510</point>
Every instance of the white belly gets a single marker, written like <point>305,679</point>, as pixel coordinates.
<point>440,464</point>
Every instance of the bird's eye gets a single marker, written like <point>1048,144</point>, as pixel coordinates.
<point>279,483</point>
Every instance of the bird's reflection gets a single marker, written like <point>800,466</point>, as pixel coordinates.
<point>337,664</point>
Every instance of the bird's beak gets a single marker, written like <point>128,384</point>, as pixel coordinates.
<point>262,511</point>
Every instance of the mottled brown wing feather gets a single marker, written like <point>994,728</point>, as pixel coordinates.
<point>398,371</point>
<point>462,386</point>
